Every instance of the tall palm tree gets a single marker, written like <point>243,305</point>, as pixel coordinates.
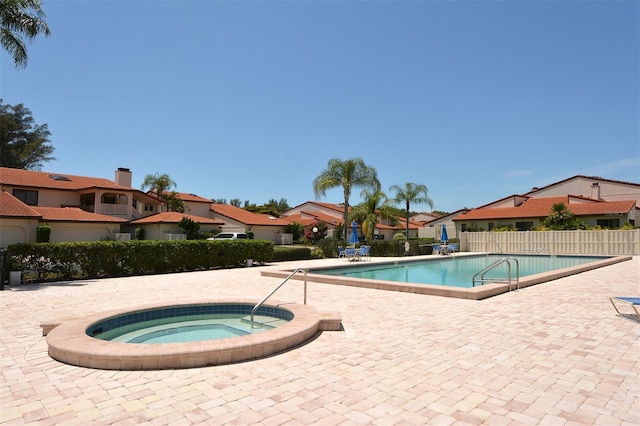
<point>411,193</point>
<point>20,19</point>
<point>346,174</point>
<point>373,204</point>
<point>160,184</point>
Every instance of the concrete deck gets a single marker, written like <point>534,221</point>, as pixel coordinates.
<point>555,354</point>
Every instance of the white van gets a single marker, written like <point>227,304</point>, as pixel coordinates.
<point>230,236</point>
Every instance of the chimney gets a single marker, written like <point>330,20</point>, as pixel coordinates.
<point>123,177</point>
<point>595,191</point>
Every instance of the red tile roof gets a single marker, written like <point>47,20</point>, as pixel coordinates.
<point>541,207</point>
<point>193,198</point>
<point>337,207</point>
<point>35,179</point>
<point>74,214</point>
<point>175,217</point>
<point>246,217</point>
<point>307,218</point>
<point>10,206</point>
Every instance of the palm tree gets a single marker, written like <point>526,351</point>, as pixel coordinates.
<point>159,184</point>
<point>374,204</point>
<point>18,19</point>
<point>411,193</point>
<point>346,174</point>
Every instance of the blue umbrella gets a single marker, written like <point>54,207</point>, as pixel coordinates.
<point>354,233</point>
<point>444,237</point>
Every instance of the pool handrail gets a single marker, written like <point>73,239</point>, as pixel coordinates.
<point>295,271</point>
<point>498,262</point>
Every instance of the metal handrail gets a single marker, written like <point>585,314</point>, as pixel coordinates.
<point>496,264</point>
<point>255,308</point>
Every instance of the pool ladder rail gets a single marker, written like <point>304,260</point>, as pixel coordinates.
<point>295,271</point>
<point>494,265</point>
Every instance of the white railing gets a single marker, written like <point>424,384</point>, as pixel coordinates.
<point>122,236</point>
<point>175,237</point>
<point>605,242</point>
<point>284,239</point>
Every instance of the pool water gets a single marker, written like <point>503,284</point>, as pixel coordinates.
<point>168,327</point>
<point>457,271</point>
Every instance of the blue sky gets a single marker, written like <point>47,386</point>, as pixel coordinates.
<point>250,99</point>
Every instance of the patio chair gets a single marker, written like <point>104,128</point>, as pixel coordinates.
<point>634,302</point>
<point>436,248</point>
<point>452,248</point>
<point>341,252</point>
<point>352,254</point>
<point>365,252</point>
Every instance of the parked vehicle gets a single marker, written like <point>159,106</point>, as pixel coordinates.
<point>230,236</point>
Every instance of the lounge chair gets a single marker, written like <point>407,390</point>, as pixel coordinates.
<point>365,252</point>
<point>341,252</point>
<point>352,254</point>
<point>634,302</point>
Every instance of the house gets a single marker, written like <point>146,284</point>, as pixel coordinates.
<point>598,202</point>
<point>333,215</point>
<point>433,228</point>
<point>78,208</point>
<point>235,219</point>
<point>165,225</point>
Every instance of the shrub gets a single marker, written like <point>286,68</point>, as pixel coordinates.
<point>43,233</point>
<point>54,261</point>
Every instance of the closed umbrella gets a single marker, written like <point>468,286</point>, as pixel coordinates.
<point>444,237</point>
<point>354,233</point>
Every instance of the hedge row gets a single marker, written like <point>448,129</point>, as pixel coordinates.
<point>53,261</point>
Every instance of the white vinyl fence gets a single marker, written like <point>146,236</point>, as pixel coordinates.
<point>603,242</point>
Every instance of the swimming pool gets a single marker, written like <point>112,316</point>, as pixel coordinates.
<point>189,323</point>
<point>456,271</point>
<point>445,271</point>
<point>71,341</point>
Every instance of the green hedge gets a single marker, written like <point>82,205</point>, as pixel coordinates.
<point>284,253</point>
<point>54,261</point>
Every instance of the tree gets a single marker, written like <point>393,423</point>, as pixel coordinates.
<point>20,19</point>
<point>561,218</point>
<point>190,227</point>
<point>366,213</point>
<point>411,193</point>
<point>23,144</point>
<point>161,184</point>
<point>346,174</point>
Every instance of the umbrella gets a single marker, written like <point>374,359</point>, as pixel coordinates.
<point>354,233</point>
<point>444,237</point>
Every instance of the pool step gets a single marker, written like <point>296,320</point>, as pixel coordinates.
<point>264,321</point>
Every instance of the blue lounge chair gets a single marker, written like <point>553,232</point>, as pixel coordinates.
<point>352,254</point>
<point>341,252</point>
<point>365,252</point>
<point>634,302</point>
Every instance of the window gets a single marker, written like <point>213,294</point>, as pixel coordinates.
<point>491,225</point>
<point>608,223</point>
<point>524,226</point>
<point>28,197</point>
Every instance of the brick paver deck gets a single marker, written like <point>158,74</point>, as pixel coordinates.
<point>554,354</point>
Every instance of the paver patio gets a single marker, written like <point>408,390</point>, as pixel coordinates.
<point>554,354</point>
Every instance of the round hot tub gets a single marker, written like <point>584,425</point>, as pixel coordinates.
<point>145,338</point>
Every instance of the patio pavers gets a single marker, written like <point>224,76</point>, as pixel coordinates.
<point>554,353</point>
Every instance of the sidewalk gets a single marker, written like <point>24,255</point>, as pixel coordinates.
<point>554,354</point>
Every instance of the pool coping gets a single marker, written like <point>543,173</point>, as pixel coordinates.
<point>475,293</point>
<point>69,343</point>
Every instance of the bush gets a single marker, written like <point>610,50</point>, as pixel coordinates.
<point>55,261</point>
<point>281,253</point>
<point>43,233</point>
